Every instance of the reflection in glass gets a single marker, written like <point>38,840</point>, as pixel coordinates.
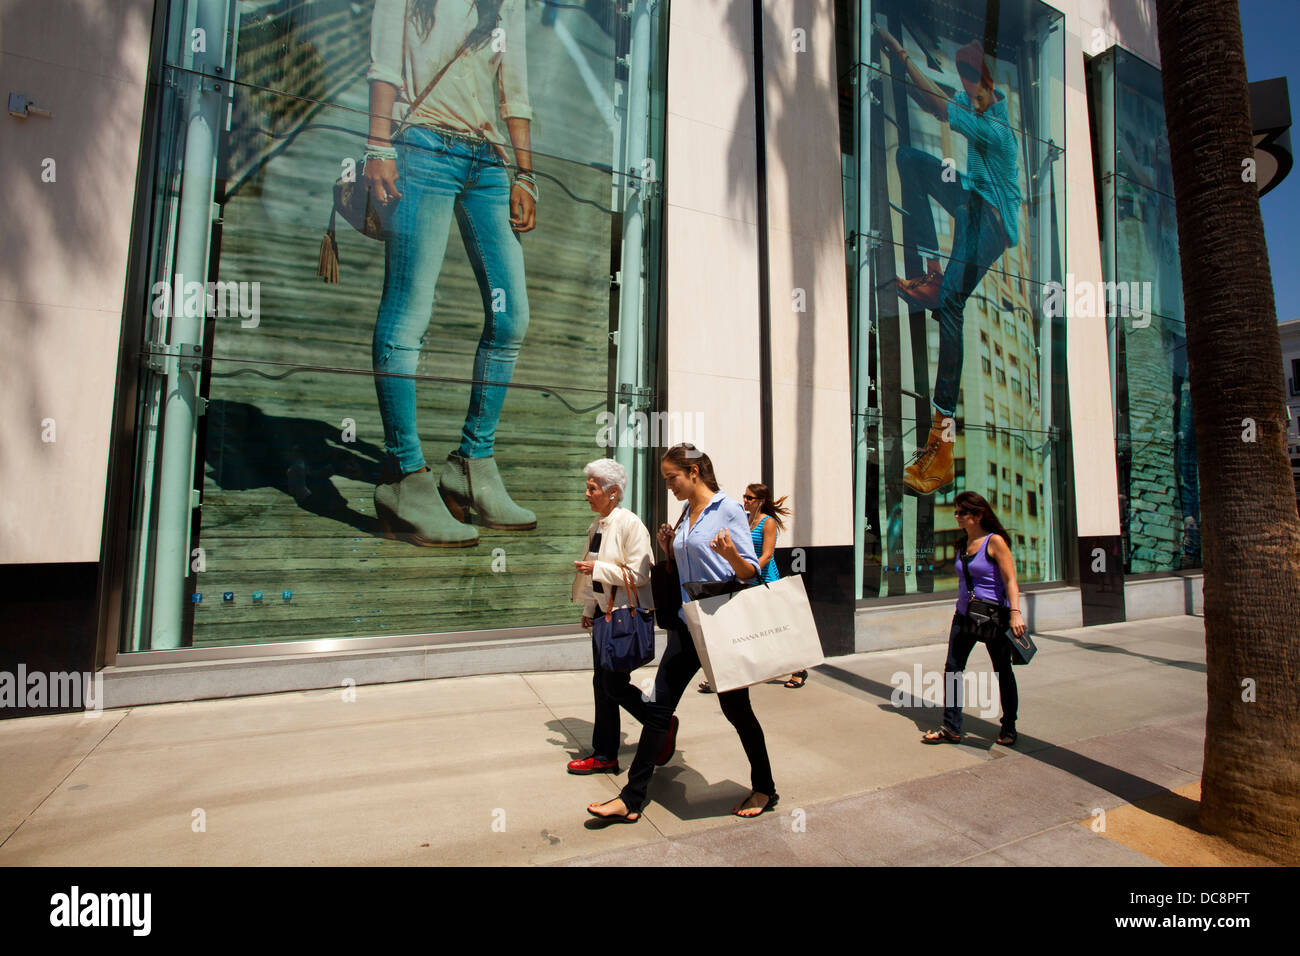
<point>1156,442</point>
<point>958,223</point>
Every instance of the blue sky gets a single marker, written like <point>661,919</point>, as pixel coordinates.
<point>1270,29</point>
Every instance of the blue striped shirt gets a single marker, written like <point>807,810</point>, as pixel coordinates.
<point>992,169</point>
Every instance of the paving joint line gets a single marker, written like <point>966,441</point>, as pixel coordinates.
<point>643,818</point>
<point>64,779</point>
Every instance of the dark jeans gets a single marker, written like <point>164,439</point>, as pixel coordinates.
<point>978,239</point>
<point>961,640</point>
<point>677,669</point>
<point>611,690</point>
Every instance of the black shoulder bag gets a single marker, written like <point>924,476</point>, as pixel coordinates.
<point>666,583</point>
<point>989,620</point>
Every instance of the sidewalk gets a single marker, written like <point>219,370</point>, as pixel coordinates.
<point>470,770</point>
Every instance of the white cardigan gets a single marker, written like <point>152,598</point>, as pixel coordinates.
<point>624,540</point>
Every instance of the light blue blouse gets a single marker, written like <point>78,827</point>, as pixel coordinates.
<point>696,561</point>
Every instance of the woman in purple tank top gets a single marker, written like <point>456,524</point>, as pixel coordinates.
<point>986,577</point>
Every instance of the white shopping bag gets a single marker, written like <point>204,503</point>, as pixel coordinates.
<point>754,635</point>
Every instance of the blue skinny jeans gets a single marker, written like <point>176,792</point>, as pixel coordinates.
<point>978,240</point>
<point>441,177</point>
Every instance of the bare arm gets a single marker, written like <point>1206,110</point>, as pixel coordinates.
<point>1002,557</point>
<point>381,174</point>
<point>921,87</point>
<point>769,544</point>
<point>523,208</point>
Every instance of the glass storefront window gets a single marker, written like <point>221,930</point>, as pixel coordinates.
<point>1156,443</point>
<point>500,329</point>
<point>956,225</point>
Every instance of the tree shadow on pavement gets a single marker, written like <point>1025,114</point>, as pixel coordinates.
<point>1115,649</point>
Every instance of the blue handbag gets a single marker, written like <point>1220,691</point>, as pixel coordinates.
<point>625,638</point>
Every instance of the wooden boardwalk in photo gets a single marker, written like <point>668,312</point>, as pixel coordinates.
<point>288,504</point>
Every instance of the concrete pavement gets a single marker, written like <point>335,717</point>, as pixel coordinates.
<point>470,770</point>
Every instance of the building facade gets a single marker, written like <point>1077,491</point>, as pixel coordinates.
<point>870,253</point>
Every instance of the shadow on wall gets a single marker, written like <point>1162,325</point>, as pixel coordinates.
<point>792,110</point>
<point>247,449</point>
<point>70,177</point>
<point>1131,24</point>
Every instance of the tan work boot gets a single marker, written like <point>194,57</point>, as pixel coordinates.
<point>475,483</point>
<point>933,468</point>
<point>411,509</point>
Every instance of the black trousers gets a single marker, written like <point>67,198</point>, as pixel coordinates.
<point>611,690</point>
<point>677,669</point>
<point>961,641</point>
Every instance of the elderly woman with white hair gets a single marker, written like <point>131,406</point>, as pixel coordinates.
<point>616,539</point>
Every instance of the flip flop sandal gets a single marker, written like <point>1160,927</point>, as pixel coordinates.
<point>772,801</point>
<point>704,687</point>
<point>797,680</point>
<point>632,816</point>
<point>1008,739</point>
<point>941,736</point>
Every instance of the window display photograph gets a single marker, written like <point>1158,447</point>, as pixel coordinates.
<point>959,204</point>
<point>1156,440</point>
<point>433,247</point>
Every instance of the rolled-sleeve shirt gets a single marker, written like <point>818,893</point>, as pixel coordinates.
<point>992,167</point>
<point>696,560</point>
<point>479,86</point>
<point>623,540</point>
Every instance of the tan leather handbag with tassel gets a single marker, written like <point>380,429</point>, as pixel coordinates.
<point>352,197</point>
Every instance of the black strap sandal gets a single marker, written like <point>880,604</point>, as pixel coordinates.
<point>1007,738</point>
<point>797,680</point>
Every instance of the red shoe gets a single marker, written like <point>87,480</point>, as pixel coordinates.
<point>670,744</point>
<point>593,765</point>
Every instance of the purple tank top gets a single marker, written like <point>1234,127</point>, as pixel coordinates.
<point>985,576</point>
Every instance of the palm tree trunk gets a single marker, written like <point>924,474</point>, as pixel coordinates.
<point>1250,785</point>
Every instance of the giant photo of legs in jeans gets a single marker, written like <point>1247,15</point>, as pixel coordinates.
<point>978,241</point>
<point>446,178</point>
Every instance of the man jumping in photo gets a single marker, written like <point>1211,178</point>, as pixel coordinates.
<point>984,203</point>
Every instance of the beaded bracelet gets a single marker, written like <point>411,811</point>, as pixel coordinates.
<point>527,183</point>
<point>379,152</point>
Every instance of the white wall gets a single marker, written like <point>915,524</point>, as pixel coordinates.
<point>811,401</point>
<point>63,265</point>
<point>712,234</point>
<point>1092,417</point>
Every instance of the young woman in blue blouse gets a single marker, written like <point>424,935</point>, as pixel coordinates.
<point>712,542</point>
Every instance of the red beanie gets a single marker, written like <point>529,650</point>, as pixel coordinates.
<point>972,55</point>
